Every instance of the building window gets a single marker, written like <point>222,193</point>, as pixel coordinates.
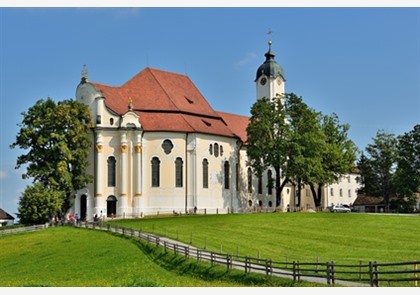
<point>260,185</point>
<point>111,121</point>
<point>237,176</point>
<point>205,173</point>
<point>227,176</point>
<point>349,193</point>
<point>211,149</point>
<point>221,150</point>
<point>332,192</point>
<point>249,180</point>
<point>348,179</point>
<point>178,172</point>
<point>167,146</point>
<point>270,181</point>
<point>216,150</point>
<point>341,192</point>
<point>155,172</point>
<point>111,171</point>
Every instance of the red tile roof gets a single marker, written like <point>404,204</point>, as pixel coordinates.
<point>171,102</point>
<point>236,123</point>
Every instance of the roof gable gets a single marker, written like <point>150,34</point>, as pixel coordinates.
<point>5,216</point>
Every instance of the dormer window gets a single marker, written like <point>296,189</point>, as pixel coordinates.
<point>208,124</point>
<point>189,100</point>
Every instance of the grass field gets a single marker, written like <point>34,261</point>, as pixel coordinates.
<point>78,257</point>
<point>66,256</point>
<point>343,238</point>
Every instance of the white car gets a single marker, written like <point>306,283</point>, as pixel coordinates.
<point>340,209</point>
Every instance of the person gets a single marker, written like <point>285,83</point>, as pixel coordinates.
<point>76,218</point>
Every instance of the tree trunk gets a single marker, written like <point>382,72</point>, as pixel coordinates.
<point>316,194</point>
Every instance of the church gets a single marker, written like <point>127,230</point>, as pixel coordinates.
<point>160,148</point>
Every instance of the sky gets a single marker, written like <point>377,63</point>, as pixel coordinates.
<point>362,63</point>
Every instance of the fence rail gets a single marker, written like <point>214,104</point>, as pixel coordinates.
<point>363,274</point>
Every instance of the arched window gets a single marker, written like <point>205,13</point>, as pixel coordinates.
<point>205,173</point>
<point>260,184</point>
<point>270,181</point>
<point>111,171</point>
<point>155,172</point>
<point>249,180</point>
<point>178,172</point>
<point>111,121</point>
<point>227,174</point>
<point>211,149</point>
<point>216,150</point>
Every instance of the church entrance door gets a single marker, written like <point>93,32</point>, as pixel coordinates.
<point>83,207</point>
<point>111,206</point>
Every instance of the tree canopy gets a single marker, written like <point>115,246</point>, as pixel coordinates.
<point>390,168</point>
<point>55,136</point>
<point>300,143</point>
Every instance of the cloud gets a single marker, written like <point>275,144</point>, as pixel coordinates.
<point>126,12</point>
<point>3,174</point>
<point>246,60</point>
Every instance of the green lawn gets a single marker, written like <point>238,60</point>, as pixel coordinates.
<point>339,237</point>
<point>78,257</point>
<point>66,256</point>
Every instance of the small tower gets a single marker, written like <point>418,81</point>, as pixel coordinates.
<point>270,79</point>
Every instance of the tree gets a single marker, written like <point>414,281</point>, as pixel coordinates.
<point>305,143</point>
<point>377,169</point>
<point>338,154</point>
<point>38,204</point>
<point>407,175</point>
<point>56,138</point>
<point>267,139</point>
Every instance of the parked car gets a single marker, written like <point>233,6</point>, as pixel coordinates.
<point>340,209</point>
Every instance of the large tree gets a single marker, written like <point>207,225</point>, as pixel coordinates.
<point>305,143</point>
<point>377,168</point>
<point>407,175</point>
<point>55,136</point>
<point>268,139</point>
<point>338,155</point>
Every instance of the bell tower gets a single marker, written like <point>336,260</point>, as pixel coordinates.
<point>270,81</point>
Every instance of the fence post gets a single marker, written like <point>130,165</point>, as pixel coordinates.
<point>373,272</point>
<point>198,254</point>
<point>294,269</point>
<point>228,262</point>
<point>332,272</point>
<point>415,274</point>
<point>327,272</point>
<point>246,264</point>
<point>268,267</point>
<point>360,270</point>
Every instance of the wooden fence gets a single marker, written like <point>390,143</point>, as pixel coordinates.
<point>363,274</point>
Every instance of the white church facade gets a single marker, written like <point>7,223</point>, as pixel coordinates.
<point>159,147</point>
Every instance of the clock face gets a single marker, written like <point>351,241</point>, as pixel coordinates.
<point>263,81</point>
